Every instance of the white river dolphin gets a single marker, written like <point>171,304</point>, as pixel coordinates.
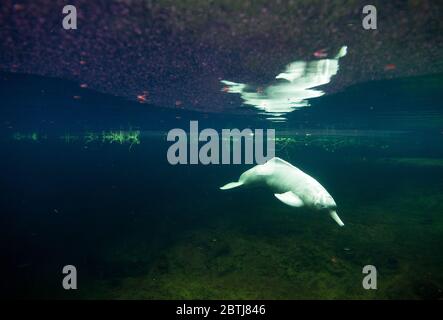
<point>290,185</point>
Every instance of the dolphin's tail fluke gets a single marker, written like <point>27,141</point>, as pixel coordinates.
<point>231,185</point>
<point>337,219</point>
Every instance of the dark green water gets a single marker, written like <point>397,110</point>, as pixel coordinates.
<point>136,227</point>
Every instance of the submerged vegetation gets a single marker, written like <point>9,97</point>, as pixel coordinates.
<point>419,162</point>
<point>120,137</point>
<point>33,136</point>
<point>329,142</point>
<point>283,142</point>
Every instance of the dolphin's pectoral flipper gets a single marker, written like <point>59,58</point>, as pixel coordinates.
<point>337,219</point>
<point>289,198</point>
<point>231,185</point>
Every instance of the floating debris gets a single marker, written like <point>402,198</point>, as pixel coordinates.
<point>390,67</point>
<point>322,53</point>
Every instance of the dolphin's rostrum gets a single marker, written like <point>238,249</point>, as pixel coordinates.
<point>290,185</point>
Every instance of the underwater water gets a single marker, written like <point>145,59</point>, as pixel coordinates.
<point>88,186</point>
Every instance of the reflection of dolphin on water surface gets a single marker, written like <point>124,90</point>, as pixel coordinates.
<point>292,88</point>
<point>291,186</point>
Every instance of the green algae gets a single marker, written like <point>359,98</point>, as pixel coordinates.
<point>33,136</point>
<point>121,137</point>
<point>287,145</point>
<point>420,162</point>
<point>131,137</point>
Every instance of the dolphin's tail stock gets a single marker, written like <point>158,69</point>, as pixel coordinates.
<point>231,185</point>
<point>337,219</point>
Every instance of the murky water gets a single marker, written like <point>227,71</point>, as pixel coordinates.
<point>101,196</point>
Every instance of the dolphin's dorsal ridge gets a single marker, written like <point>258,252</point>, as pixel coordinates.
<point>277,160</point>
<point>289,198</point>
